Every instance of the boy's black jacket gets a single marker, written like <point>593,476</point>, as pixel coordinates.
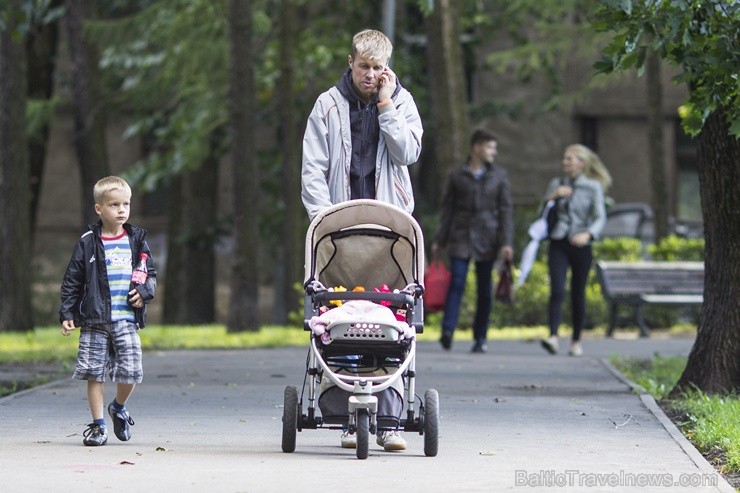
<point>85,291</point>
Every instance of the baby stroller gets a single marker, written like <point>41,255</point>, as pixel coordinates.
<point>362,343</point>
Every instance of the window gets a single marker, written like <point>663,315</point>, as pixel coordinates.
<point>688,202</point>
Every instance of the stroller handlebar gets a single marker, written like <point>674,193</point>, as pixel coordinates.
<point>324,297</point>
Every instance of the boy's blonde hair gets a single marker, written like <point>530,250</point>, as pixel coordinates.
<point>372,44</point>
<point>109,184</point>
<point>593,168</point>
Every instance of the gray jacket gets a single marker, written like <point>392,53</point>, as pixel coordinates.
<point>583,211</point>
<point>327,150</point>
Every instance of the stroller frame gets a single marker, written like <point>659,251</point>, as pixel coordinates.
<point>391,246</point>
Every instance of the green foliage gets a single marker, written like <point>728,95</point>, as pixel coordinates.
<point>542,35</point>
<point>39,113</point>
<point>168,65</point>
<point>699,36</point>
<point>622,249</point>
<point>27,14</point>
<point>530,302</point>
<point>674,248</point>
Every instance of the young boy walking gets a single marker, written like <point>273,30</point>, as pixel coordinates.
<point>99,297</point>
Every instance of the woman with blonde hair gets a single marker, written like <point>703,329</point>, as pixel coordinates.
<point>579,203</point>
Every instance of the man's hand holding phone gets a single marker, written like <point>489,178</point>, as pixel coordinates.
<point>386,84</point>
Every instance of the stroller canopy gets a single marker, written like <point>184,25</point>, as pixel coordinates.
<point>364,243</point>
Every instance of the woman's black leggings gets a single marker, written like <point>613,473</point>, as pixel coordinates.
<point>560,255</point>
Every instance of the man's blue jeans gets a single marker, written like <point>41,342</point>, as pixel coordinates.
<point>484,285</point>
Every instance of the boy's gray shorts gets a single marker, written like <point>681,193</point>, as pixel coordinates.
<point>114,349</point>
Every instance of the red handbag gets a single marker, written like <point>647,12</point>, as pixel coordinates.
<point>436,284</point>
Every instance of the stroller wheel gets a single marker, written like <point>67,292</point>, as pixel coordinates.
<point>363,433</point>
<point>431,423</point>
<point>290,418</point>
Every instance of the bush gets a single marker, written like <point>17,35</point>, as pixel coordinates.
<point>622,249</point>
<point>673,248</point>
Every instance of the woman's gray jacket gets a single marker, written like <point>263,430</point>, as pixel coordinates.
<point>477,216</point>
<point>327,152</point>
<point>582,211</point>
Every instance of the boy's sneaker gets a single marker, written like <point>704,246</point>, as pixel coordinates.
<point>95,435</point>
<point>391,440</point>
<point>349,440</point>
<point>121,422</point>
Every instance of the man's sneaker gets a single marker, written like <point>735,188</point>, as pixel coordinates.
<point>95,435</point>
<point>121,422</point>
<point>480,346</point>
<point>446,341</point>
<point>391,440</point>
<point>349,440</point>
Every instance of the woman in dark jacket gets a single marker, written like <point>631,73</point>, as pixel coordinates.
<point>476,224</point>
<point>581,216</point>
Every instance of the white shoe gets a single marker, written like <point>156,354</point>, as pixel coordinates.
<point>349,440</point>
<point>391,440</point>
<point>576,349</point>
<point>550,344</point>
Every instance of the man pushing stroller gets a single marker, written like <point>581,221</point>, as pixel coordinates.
<point>384,135</point>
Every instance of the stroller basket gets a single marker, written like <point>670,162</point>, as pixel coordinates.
<point>333,406</point>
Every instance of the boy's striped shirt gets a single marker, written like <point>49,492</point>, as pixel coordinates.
<point>118,266</point>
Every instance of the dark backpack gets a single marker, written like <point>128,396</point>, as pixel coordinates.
<point>552,218</point>
<point>552,215</point>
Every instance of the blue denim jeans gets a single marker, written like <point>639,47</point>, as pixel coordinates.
<point>484,288</point>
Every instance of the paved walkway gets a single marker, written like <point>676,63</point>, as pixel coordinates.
<point>513,419</point>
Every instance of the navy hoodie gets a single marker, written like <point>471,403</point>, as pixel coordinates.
<point>365,131</point>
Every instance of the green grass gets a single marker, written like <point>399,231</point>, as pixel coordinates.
<point>47,344</point>
<point>657,375</point>
<point>712,423</point>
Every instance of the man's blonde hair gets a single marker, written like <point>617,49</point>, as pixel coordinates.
<point>372,44</point>
<point>107,185</point>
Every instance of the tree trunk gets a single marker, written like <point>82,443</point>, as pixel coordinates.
<point>192,233</point>
<point>447,90</point>
<point>89,112</point>
<point>243,308</point>
<point>714,362</point>
<point>289,270</point>
<point>15,194</point>
<point>175,271</point>
<point>656,155</point>
<point>41,50</point>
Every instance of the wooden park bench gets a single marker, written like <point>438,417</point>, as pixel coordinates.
<point>642,283</point>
